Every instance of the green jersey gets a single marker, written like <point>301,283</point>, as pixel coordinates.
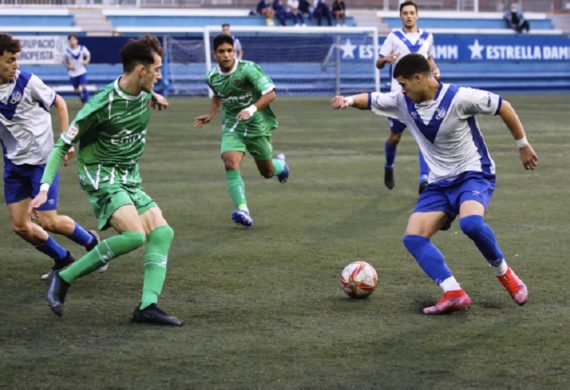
<point>111,129</point>
<point>238,89</point>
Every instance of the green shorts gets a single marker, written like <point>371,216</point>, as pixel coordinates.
<point>258,146</point>
<point>118,187</point>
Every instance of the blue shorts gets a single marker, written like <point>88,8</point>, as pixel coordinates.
<point>23,182</point>
<point>396,126</point>
<point>448,196</point>
<point>79,80</point>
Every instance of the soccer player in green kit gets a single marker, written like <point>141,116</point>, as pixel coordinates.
<point>245,92</point>
<point>111,129</point>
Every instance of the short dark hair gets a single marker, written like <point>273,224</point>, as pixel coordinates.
<point>221,39</point>
<point>140,51</point>
<point>406,3</point>
<point>72,36</point>
<point>411,64</point>
<point>225,25</point>
<point>9,44</point>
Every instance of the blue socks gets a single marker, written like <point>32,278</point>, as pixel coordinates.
<point>53,250</point>
<point>81,236</point>
<point>484,238</point>
<point>429,258</point>
<point>390,151</point>
<point>84,95</point>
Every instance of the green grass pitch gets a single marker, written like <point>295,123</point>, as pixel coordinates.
<point>263,308</point>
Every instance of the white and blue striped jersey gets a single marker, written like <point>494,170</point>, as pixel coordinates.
<point>402,42</point>
<point>445,128</point>
<point>25,123</point>
<point>76,57</point>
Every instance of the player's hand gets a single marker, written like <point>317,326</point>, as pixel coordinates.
<point>158,102</point>
<point>436,73</point>
<point>201,120</point>
<point>339,102</point>
<point>243,115</point>
<point>392,57</point>
<point>529,157</point>
<point>36,203</point>
<point>68,156</point>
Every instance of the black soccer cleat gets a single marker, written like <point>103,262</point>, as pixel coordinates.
<point>57,289</point>
<point>153,315</point>
<point>94,243</point>
<point>447,223</point>
<point>59,265</point>
<point>389,178</point>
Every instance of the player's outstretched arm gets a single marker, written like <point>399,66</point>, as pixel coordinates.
<point>341,102</point>
<point>434,69</point>
<point>260,104</point>
<point>528,156</point>
<point>389,59</point>
<point>215,105</point>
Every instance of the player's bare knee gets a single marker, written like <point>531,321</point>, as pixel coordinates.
<point>22,229</point>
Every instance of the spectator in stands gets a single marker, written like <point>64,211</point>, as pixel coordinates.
<point>75,59</point>
<point>238,50</point>
<point>280,13</point>
<point>339,12</point>
<point>296,15</point>
<point>321,9</point>
<point>515,19</point>
<point>305,9</point>
<point>265,8</point>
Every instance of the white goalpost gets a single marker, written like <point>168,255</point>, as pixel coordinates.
<point>300,60</point>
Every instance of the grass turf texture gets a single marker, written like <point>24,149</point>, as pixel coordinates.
<point>263,307</point>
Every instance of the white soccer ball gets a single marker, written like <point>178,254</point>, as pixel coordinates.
<point>359,279</point>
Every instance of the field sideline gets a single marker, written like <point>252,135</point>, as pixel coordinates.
<point>263,308</point>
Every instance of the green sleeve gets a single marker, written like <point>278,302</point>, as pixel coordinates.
<point>259,79</point>
<point>54,161</point>
<point>85,120</point>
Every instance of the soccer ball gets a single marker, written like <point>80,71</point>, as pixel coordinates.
<point>359,279</point>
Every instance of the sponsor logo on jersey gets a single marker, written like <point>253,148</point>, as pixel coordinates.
<point>126,136</point>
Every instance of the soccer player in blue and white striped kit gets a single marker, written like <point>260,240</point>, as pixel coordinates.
<point>27,139</point>
<point>76,58</point>
<point>408,39</point>
<point>441,117</point>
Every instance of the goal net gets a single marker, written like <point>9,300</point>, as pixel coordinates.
<point>300,60</point>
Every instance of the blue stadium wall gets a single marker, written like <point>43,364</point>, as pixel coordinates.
<point>495,62</point>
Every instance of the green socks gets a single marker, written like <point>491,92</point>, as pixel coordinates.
<point>105,251</point>
<point>278,166</point>
<point>236,187</point>
<point>155,260</point>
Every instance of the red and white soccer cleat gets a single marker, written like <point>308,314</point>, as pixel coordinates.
<point>452,301</point>
<point>514,286</point>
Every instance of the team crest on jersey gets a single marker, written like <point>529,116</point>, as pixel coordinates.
<point>16,97</point>
<point>70,134</point>
<point>238,82</point>
<point>441,112</point>
<point>414,115</point>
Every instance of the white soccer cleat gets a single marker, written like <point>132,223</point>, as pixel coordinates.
<point>242,217</point>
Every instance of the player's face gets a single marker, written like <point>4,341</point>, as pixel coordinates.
<point>226,30</point>
<point>8,67</point>
<point>409,16</point>
<point>412,87</point>
<point>225,56</point>
<point>73,42</point>
<point>150,74</point>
